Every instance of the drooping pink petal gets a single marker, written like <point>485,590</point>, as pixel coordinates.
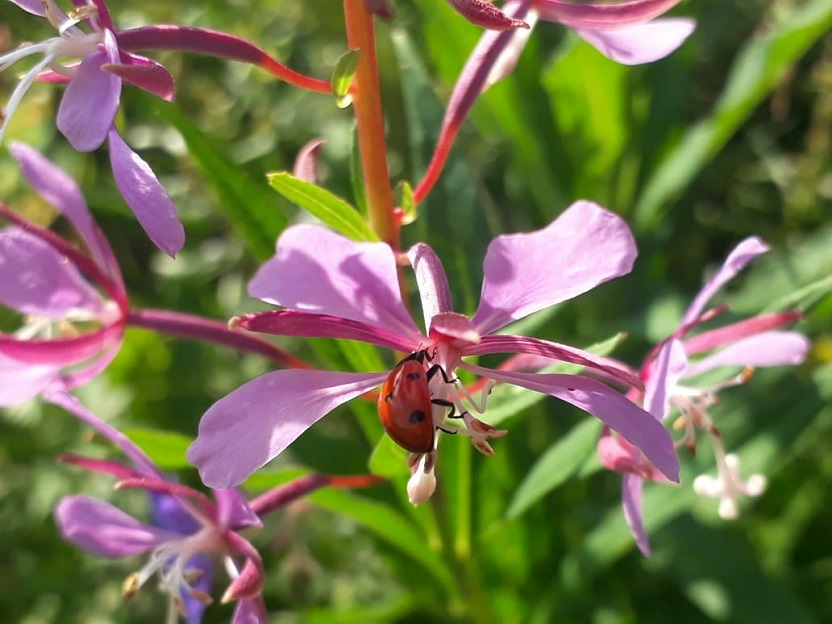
<point>38,281</point>
<point>105,530</point>
<point>484,13</point>
<point>500,343</point>
<point>736,261</point>
<point>508,56</point>
<point>773,348</point>
<point>456,329</point>
<point>59,189</point>
<point>602,16</point>
<point>584,247</point>
<point>145,74</point>
<point>434,290</point>
<point>296,323</point>
<point>317,270</point>
<point>91,101</point>
<point>669,368</point>
<point>643,43</point>
<point>21,382</point>
<point>79,376</point>
<point>153,207</point>
<point>35,7</point>
<point>632,487</point>
<point>619,413</point>
<point>233,511</point>
<point>306,163</point>
<point>249,427</point>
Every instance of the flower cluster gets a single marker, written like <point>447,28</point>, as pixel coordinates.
<point>346,279</point>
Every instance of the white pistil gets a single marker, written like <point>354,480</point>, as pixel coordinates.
<point>169,560</point>
<point>727,486</point>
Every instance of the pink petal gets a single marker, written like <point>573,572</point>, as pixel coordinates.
<point>306,163</point>
<point>602,16</point>
<point>432,281</point>
<point>736,261</point>
<point>773,348</point>
<point>622,415</point>
<point>508,56</point>
<point>105,530</point>
<point>643,43</point>
<point>534,346</point>
<point>524,273</point>
<point>295,323</point>
<point>59,189</point>
<point>632,487</point>
<point>317,270</point>
<point>727,334</point>
<point>37,280</point>
<point>233,511</point>
<point>669,368</point>
<point>144,73</point>
<point>35,7</point>
<point>80,376</point>
<point>249,427</point>
<point>456,329</point>
<point>153,207</point>
<point>250,611</point>
<point>91,101</point>
<point>484,13</point>
<point>20,382</point>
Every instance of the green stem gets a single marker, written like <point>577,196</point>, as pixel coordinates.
<point>369,118</point>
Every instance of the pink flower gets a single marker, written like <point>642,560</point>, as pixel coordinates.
<point>56,286</point>
<point>668,373</point>
<point>626,32</point>
<point>337,288</point>
<point>188,530</point>
<point>86,116</point>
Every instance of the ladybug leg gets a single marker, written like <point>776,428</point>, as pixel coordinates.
<point>445,403</point>
<point>436,368</point>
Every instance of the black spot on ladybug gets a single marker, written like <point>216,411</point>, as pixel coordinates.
<point>571,389</point>
<point>416,416</point>
<point>414,376</point>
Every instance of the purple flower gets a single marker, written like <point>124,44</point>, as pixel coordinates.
<point>188,531</point>
<point>626,32</point>
<point>669,373</point>
<point>337,288</point>
<point>86,116</point>
<point>57,288</point>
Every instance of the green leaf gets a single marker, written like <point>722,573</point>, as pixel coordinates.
<point>561,461</point>
<point>342,77</point>
<point>389,459</point>
<point>403,195</point>
<point>390,527</point>
<point>330,209</point>
<point>247,203</point>
<point>166,448</point>
<point>758,68</point>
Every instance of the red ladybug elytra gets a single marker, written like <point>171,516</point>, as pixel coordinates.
<point>405,406</point>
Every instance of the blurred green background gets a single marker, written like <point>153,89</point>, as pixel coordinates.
<point>728,137</point>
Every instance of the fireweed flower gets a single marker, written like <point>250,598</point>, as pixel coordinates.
<point>626,32</point>
<point>337,288</point>
<point>670,375</point>
<point>188,531</point>
<point>75,305</point>
<point>86,116</point>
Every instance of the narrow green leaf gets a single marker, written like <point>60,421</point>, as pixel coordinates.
<point>403,195</point>
<point>390,527</point>
<point>165,448</point>
<point>561,461</point>
<point>757,70</point>
<point>247,203</point>
<point>342,77</point>
<point>330,209</point>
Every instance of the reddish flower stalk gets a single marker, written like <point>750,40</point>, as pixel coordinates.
<point>369,117</point>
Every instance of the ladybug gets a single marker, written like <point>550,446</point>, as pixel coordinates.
<point>405,406</point>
